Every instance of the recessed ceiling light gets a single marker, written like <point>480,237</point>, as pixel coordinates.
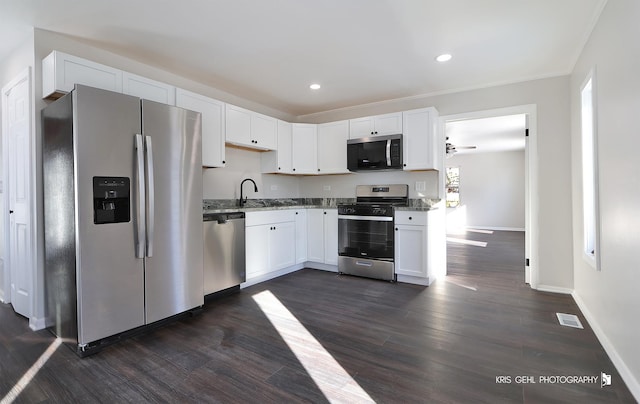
<point>445,57</point>
<point>315,86</point>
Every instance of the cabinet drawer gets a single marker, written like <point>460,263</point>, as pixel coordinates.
<point>411,217</point>
<point>269,217</point>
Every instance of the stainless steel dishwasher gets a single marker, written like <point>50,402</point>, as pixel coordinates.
<point>224,259</point>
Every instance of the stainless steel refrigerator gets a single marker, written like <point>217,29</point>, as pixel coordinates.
<point>122,213</point>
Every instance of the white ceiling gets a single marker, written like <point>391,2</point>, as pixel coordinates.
<point>360,51</point>
<point>495,134</point>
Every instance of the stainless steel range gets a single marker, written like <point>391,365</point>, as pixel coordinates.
<point>365,231</point>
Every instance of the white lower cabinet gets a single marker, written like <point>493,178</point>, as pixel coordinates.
<point>269,237</point>
<point>322,236</point>
<point>257,250</point>
<point>301,235</point>
<point>411,250</point>
<point>420,245</point>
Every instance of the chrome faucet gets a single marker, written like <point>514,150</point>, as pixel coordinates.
<point>255,189</point>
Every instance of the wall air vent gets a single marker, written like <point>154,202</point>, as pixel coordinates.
<point>569,320</point>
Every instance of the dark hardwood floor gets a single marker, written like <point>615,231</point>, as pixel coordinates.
<point>400,343</point>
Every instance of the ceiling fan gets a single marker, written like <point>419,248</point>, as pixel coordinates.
<point>451,149</point>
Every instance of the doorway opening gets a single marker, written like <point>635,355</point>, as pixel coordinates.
<point>492,183</point>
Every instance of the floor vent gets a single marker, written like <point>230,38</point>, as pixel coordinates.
<point>569,320</point>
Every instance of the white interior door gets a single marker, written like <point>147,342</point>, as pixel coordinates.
<point>17,153</point>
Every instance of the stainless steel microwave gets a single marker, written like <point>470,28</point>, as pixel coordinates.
<point>375,153</point>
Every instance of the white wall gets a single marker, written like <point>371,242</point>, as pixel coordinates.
<point>610,298</point>
<point>492,189</point>
<point>554,144</point>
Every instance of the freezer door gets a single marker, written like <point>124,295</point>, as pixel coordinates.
<point>110,277</point>
<point>173,266</point>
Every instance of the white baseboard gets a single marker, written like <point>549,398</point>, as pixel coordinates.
<point>632,383</point>
<point>270,275</point>
<point>37,323</point>
<point>321,266</point>
<point>554,289</point>
<point>496,228</point>
<point>414,280</point>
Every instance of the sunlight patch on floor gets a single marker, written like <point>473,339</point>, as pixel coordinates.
<point>448,279</point>
<point>31,373</point>
<point>331,378</point>
<point>465,230</point>
<point>466,242</point>
<point>479,231</point>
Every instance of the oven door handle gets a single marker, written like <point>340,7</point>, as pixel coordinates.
<point>367,218</point>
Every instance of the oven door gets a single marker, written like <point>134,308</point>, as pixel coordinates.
<point>365,237</point>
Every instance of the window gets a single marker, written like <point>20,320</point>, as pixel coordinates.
<point>589,171</point>
<point>453,187</point>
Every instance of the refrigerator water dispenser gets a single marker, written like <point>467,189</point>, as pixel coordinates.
<point>111,200</point>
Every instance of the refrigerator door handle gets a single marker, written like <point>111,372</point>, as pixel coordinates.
<point>150,195</point>
<point>140,214</point>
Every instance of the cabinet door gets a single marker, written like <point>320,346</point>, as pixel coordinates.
<point>361,127</point>
<point>263,131</point>
<point>305,145</point>
<point>420,139</point>
<point>279,161</point>
<point>315,235</point>
<point>282,239</point>
<point>411,250</point>
<point>257,250</point>
<point>332,147</point>
<point>60,72</point>
<point>237,125</point>
<point>331,236</point>
<point>301,236</point>
<point>148,89</point>
<point>212,125</point>
<point>388,124</point>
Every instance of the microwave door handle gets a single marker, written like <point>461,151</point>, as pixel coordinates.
<point>388,152</point>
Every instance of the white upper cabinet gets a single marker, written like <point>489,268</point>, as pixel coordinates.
<point>379,125</point>
<point>213,153</point>
<point>238,125</point>
<point>148,89</point>
<point>250,129</point>
<point>264,131</point>
<point>280,161</point>
<point>305,144</point>
<point>60,72</point>
<point>420,144</point>
<point>332,147</point>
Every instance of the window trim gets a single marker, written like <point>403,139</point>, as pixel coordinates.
<point>593,259</point>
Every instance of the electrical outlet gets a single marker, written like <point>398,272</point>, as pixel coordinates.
<point>421,186</point>
<point>327,187</point>
<point>274,187</point>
